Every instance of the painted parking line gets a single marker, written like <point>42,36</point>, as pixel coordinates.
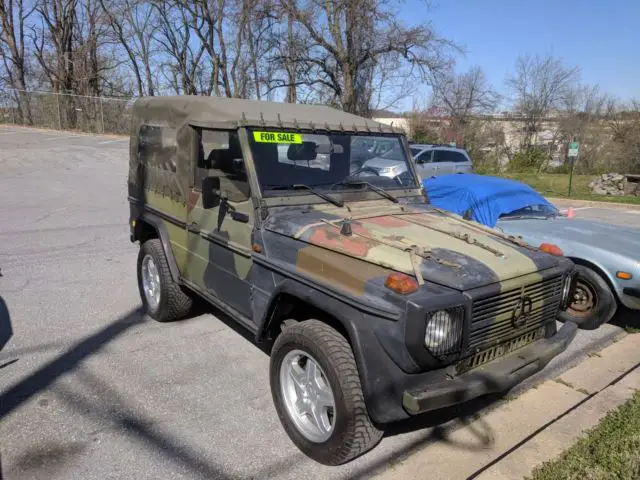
<point>111,141</point>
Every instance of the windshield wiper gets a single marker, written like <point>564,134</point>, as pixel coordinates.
<point>298,186</point>
<point>378,190</point>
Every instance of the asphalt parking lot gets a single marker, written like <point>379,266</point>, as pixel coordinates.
<point>91,389</point>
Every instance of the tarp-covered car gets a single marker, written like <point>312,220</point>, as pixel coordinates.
<point>607,256</point>
<point>377,306</point>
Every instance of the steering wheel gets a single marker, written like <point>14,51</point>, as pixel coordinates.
<point>364,169</point>
<point>403,178</point>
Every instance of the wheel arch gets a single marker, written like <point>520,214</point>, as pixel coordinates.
<point>149,226</point>
<point>599,270</point>
<point>293,301</point>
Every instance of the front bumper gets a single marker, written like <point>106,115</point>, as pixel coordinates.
<point>497,376</point>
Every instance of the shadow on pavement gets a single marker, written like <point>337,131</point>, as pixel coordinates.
<point>111,409</point>
<point>20,392</point>
<point>114,412</point>
<point>6,332</point>
<point>441,423</point>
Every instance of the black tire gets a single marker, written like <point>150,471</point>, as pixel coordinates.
<point>600,306</point>
<point>354,433</point>
<point>174,303</point>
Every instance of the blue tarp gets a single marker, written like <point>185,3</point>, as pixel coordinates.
<point>486,197</point>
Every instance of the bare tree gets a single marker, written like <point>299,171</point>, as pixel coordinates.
<point>13,18</point>
<point>348,39</point>
<point>53,42</point>
<point>540,84</point>
<point>184,69</point>
<point>464,95</point>
<point>623,122</point>
<point>583,110</point>
<point>94,51</point>
<point>134,23</point>
<point>53,49</point>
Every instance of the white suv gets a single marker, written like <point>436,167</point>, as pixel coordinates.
<point>434,160</point>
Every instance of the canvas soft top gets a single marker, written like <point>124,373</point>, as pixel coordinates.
<point>219,112</point>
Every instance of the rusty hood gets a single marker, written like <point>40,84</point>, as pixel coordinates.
<point>432,245</point>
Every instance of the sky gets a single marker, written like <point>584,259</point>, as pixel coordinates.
<point>602,37</point>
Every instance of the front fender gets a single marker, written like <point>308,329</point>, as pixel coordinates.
<point>377,372</point>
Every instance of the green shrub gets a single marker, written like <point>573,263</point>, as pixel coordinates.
<point>528,161</point>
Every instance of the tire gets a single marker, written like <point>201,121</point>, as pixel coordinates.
<point>173,303</point>
<point>353,432</point>
<point>597,304</point>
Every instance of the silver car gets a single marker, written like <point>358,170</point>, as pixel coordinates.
<point>430,160</point>
<point>434,160</point>
<point>607,257</point>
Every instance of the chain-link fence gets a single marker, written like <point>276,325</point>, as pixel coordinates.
<point>65,111</point>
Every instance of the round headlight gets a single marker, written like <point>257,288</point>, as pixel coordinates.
<point>438,329</point>
<point>443,331</point>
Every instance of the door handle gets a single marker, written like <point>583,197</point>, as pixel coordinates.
<point>239,216</point>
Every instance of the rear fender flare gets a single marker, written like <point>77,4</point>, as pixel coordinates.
<point>158,225</point>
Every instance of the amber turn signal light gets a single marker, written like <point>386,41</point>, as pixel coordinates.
<point>624,275</point>
<point>552,249</point>
<point>401,283</point>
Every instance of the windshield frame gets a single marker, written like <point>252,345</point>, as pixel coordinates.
<point>346,194</point>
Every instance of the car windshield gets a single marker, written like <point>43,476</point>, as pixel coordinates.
<point>286,160</point>
<point>533,211</point>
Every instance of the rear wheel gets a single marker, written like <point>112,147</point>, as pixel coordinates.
<point>317,394</point>
<point>163,299</point>
<point>593,302</point>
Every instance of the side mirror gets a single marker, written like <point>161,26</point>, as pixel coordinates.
<point>211,192</point>
<point>238,165</point>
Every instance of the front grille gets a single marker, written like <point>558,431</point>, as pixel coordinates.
<point>492,319</point>
<point>498,351</point>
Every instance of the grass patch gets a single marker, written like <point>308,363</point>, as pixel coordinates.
<point>557,185</point>
<point>608,451</point>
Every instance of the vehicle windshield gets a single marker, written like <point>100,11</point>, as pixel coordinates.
<point>532,211</point>
<point>287,160</point>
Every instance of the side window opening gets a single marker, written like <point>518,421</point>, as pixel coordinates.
<point>218,154</point>
<point>425,157</point>
<point>441,156</point>
<point>458,157</point>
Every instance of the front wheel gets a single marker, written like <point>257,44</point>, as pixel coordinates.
<point>317,394</point>
<point>593,303</point>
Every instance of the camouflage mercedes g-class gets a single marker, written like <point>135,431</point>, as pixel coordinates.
<point>375,305</point>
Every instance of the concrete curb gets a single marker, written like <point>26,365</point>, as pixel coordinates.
<point>516,436</point>
<point>566,202</point>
